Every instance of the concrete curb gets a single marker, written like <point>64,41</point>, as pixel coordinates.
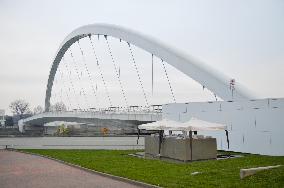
<point>133,182</point>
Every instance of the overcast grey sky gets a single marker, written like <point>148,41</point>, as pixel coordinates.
<point>242,38</point>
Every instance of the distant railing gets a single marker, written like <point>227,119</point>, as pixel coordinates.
<point>132,109</point>
<point>9,127</point>
<point>151,112</point>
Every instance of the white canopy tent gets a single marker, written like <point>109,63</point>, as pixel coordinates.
<point>193,124</point>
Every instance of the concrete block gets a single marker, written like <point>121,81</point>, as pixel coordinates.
<point>179,148</point>
<point>251,171</point>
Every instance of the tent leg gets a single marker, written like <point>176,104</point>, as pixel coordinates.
<point>138,135</point>
<point>160,141</point>
<point>190,139</point>
<point>228,142</point>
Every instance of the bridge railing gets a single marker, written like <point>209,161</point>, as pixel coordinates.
<point>118,110</point>
<point>95,112</point>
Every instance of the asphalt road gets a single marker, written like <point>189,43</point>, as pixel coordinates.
<point>29,171</point>
<point>121,143</point>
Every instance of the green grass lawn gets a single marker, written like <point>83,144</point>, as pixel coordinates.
<point>214,173</point>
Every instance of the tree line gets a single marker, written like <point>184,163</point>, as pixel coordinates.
<point>21,108</point>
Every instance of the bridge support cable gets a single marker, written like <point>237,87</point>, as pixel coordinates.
<point>79,78</point>
<point>100,70</point>
<point>56,95</point>
<point>68,106</point>
<point>138,74</point>
<point>64,85</point>
<point>61,97</point>
<point>117,71</point>
<point>60,92</point>
<point>71,82</point>
<point>152,74</point>
<point>167,76</point>
<point>89,74</point>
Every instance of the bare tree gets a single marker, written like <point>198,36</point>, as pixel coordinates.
<point>20,107</point>
<point>38,110</point>
<point>59,106</point>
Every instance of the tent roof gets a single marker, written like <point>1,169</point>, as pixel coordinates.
<point>193,124</point>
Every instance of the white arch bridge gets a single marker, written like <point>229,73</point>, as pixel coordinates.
<point>217,83</point>
<point>207,77</point>
<point>234,96</point>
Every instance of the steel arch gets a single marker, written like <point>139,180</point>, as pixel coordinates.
<point>206,76</point>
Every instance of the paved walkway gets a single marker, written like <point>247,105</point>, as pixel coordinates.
<point>29,171</point>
